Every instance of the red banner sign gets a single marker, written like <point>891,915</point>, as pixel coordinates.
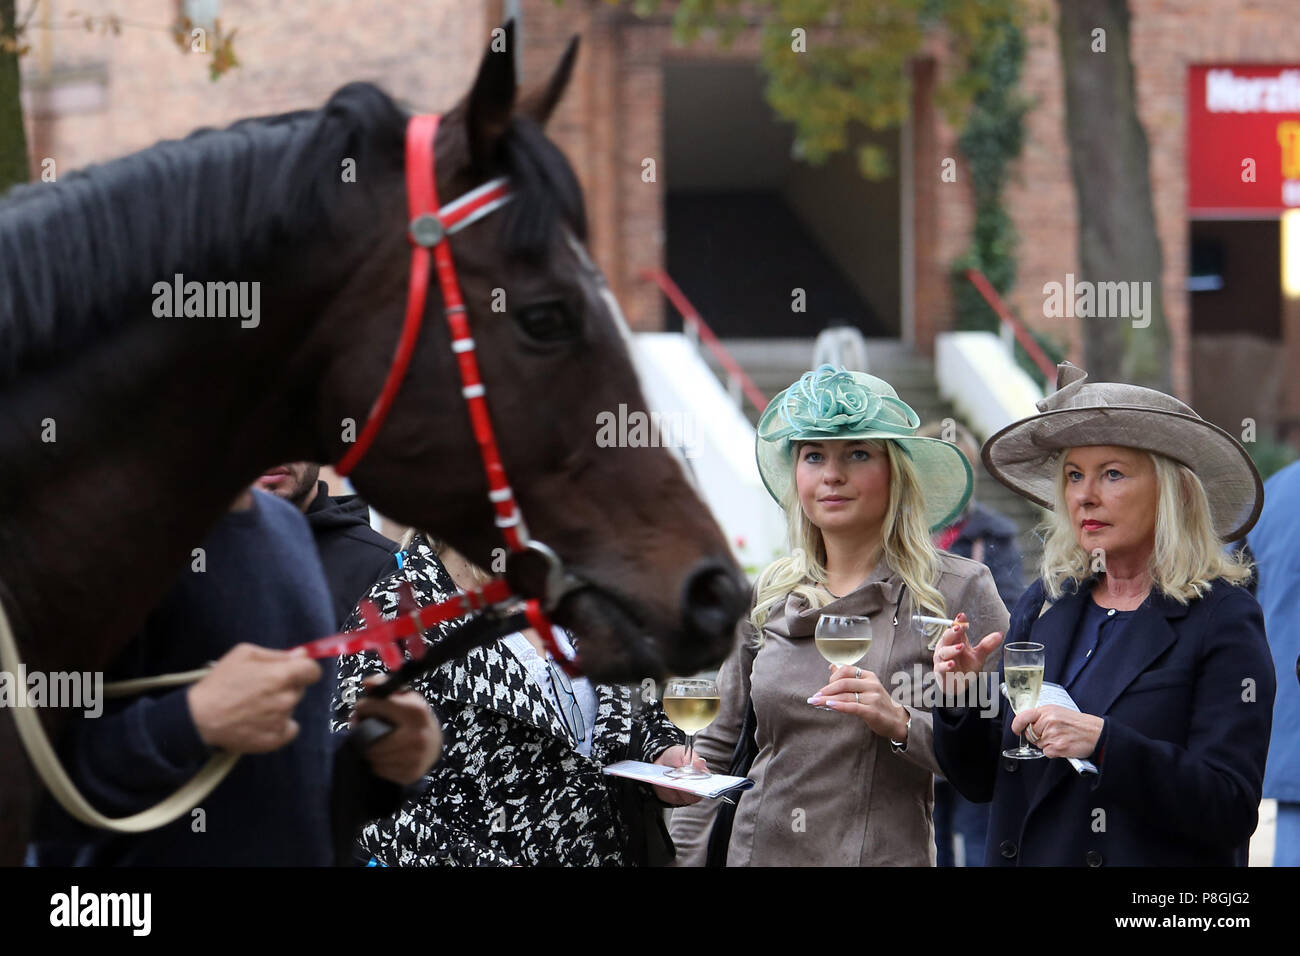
<point>1243,140</point>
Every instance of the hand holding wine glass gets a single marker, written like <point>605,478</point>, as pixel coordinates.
<point>691,704</point>
<point>842,639</point>
<point>857,691</point>
<point>1023,666</point>
<point>675,756</point>
<point>1059,731</point>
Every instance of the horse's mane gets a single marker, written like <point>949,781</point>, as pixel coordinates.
<point>545,189</point>
<point>225,198</point>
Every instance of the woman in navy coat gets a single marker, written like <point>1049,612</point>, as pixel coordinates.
<point>1145,623</point>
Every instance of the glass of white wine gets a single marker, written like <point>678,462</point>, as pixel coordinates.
<point>842,639</point>
<point>691,705</point>
<point>1022,664</point>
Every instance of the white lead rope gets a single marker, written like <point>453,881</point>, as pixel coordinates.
<point>139,685</point>
<point>41,753</point>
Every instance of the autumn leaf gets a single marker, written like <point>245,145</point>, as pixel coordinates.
<point>181,33</point>
<point>223,57</point>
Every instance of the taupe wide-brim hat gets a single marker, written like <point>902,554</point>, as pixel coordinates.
<point>1025,456</point>
<point>833,404</point>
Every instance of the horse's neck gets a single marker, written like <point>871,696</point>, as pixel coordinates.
<point>117,464</point>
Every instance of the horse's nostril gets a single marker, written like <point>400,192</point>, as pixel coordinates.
<point>714,600</point>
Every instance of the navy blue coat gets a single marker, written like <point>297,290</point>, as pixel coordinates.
<point>1273,539</point>
<point>1181,756</point>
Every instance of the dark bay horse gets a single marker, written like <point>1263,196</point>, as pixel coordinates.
<point>126,433</point>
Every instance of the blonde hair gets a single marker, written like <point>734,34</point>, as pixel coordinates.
<point>908,550</point>
<point>1187,555</point>
<point>477,577</point>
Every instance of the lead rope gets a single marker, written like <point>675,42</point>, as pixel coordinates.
<point>381,636</point>
<point>43,757</point>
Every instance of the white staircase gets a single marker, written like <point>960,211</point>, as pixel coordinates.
<point>719,445</point>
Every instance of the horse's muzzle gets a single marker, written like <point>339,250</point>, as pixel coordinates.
<point>714,597</point>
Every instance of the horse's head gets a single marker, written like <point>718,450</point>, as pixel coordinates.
<point>660,591</point>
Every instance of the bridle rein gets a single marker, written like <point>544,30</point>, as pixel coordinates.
<point>429,230</point>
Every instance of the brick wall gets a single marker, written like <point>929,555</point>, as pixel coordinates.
<point>1040,192</point>
<point>942,210</point>
<point>293,56</point>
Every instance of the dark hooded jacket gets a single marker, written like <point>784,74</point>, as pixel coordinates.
<point>354,555</point>
<point>1000,553</point>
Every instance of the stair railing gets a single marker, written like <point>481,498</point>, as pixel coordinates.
<point>739,384</point>
<point>1013,328</point>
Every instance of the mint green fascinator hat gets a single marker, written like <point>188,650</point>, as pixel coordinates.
<point>834,404</point>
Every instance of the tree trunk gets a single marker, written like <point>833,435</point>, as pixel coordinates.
<point>13,138</point>
<point>1112,183</point>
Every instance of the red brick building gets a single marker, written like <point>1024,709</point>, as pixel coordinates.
<point>728,211</point>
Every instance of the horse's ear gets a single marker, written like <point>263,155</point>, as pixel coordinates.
<point>492,99</point>
<point>540,103</point>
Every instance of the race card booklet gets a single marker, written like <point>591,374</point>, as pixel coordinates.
<point>712,787</point>
<point>1058,695</point>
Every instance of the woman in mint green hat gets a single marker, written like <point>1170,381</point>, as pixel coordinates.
<point>862,493</point>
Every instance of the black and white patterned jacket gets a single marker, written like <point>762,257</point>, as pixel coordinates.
<point>509,789</point>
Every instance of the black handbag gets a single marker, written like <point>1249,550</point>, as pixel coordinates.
<point>742,759</point>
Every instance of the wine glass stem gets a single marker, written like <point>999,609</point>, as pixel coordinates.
<point>690,751</point>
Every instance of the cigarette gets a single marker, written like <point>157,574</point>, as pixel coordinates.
<point>922,619</point>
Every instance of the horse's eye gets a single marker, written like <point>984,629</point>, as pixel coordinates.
<point>548,322</point>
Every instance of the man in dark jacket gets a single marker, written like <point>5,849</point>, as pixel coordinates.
<point>983,535</point>
<point>261,699</point>
<point>355,556</point>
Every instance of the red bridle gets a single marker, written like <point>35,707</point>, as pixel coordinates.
<point>429,232</point>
